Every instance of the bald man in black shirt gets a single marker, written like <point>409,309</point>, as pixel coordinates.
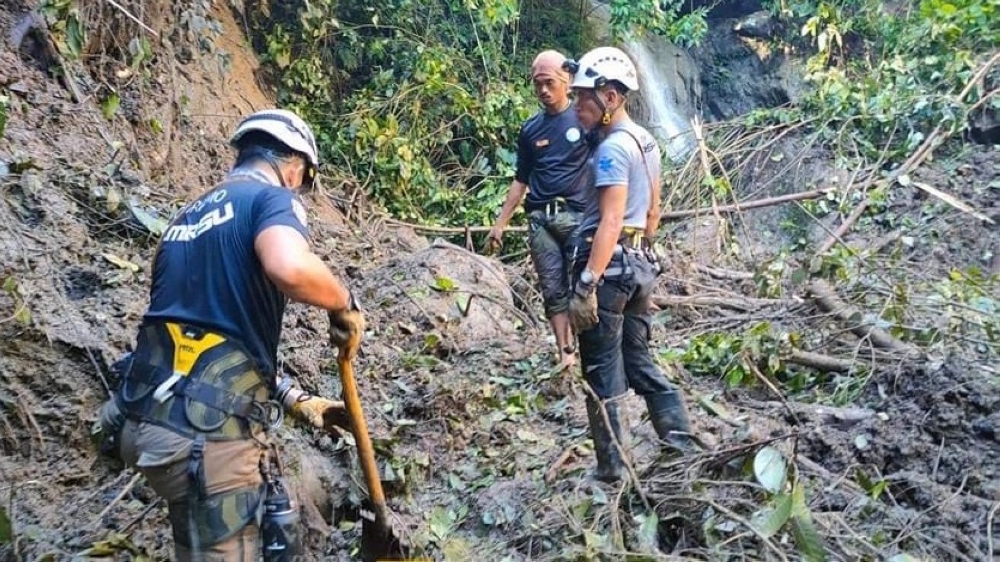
<point>551,178</point>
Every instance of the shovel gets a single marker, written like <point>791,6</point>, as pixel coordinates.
<point>378,543</point>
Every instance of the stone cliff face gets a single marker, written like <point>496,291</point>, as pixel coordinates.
<point>732,72</point>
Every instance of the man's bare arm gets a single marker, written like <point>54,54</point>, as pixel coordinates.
<point>297,272</point>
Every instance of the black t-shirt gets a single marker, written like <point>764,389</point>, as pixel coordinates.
<point>552,154</point>
<point>207,272</point>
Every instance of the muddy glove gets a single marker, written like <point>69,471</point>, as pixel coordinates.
<point>105,433</point>
<point>494,240</point>
<point>318,412</point>
<point>346,327</point>
<point>583,303</point>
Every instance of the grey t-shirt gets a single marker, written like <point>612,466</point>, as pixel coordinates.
<point>629,155</point>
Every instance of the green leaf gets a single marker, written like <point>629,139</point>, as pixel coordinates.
<point>462,302</point>
<point>23,315</point>
<point>769,520</point>
<point>769,468</point>
<point>76,36</point>
<point>807,538</point>
<point>440,523</point>
<point>443,284</point>
<point>4,104</point>
<point>155,225</point>
<point>648,533</point>
<point>6,529</point>
<point>109,105</point>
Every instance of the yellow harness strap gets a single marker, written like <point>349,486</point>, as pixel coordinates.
<point>189,344</point>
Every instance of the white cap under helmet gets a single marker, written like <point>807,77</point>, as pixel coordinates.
<point>286,127</point>
<point>602,65</point>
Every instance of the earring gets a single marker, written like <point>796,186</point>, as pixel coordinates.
<point>606,118</point>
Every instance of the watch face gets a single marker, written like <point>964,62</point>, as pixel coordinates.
<point>587,277</point>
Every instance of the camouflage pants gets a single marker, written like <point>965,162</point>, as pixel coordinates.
<point>547,235</point>
<point>231,473</point>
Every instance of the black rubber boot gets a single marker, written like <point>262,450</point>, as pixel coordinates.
<point>670,420</point>
<point>609,458</point>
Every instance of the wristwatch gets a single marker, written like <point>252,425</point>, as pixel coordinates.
<point>587,277</point>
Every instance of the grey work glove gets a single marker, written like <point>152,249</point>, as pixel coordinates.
<point>583,307</point>
<point>346,328</point>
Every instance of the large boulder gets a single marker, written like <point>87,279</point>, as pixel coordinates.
<point>455,298</point>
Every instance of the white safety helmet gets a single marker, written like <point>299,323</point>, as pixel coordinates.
<point>602,65</point>
<point>286,127</point>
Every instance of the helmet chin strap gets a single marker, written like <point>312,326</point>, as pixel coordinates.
<point>276,169</point>
<point>605,114</point>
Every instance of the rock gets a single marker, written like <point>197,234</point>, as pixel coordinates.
<point>451,297</point>
<point>758,25</point>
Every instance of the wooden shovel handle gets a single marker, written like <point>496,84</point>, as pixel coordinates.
<point>366,453</point>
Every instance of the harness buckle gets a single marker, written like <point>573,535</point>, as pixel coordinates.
<point>166,388</point>
<point>270,414</point>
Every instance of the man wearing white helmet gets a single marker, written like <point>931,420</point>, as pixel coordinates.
<point>201,387</point>
<point>614,271</point>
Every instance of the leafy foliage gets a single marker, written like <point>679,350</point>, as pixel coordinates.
<point>633,19</point>
<point>907,71</point>
<point>739,359</point>
<point>66,26</point>
<point>419,103</point>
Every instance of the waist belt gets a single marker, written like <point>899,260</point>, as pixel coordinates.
<point>550,207</point>
<point>632,237</point>
<point>195,381</point>
<point>618,266</point>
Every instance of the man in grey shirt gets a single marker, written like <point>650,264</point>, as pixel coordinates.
<point>614,269</point>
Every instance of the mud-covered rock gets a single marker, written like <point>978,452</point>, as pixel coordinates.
<point>452,297</point>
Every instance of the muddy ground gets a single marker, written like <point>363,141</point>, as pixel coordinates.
<point>483,446</point>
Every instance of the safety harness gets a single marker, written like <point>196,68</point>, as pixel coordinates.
<point>197,383</point>
<point>205,386</point>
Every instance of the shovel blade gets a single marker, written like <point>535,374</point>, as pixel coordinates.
<point>379,544</point>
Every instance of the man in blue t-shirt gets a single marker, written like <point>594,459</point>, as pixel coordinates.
<point>615,270</point>
<point>202,388</point>
<point>551,177</point>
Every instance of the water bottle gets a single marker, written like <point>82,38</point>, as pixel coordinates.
<point>279,527</point>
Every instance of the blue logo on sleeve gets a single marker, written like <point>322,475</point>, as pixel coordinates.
<point>605,164</point>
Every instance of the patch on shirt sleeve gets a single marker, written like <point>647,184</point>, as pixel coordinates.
<point>300,212</point>
<point>605,164</point>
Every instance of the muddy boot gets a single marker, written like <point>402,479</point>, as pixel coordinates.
<point>670,420</point>
<point>609,458</point>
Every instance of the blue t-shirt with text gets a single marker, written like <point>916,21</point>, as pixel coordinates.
<point>207,273</point>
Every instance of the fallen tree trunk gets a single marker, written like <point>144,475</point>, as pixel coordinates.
<point>820,362</point>
<point>826,298</point>
<point>755,204</point>
<point>742,304</point>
